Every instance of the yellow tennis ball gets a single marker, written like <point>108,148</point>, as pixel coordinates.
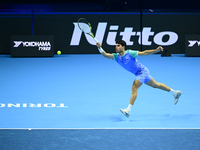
<point>58,52</point>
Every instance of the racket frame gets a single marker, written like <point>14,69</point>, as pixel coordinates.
<point>90,26</point>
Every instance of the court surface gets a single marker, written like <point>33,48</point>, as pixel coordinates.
<point>87,91</point>
<point>72,102</point>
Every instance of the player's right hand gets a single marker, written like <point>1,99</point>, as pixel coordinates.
<point>98,44</point>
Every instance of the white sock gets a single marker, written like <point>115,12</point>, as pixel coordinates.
<point>172,92</point>
<point>129,107</point>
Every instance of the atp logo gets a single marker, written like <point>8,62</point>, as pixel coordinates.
<point>193,42</point>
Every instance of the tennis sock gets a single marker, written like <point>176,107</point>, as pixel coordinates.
<point>129,107</point>
<point>172,92</point>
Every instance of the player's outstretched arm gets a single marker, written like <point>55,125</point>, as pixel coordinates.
<point>107,55</point>
<point>149,52</point>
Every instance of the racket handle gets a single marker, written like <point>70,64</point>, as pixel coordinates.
<point>95,39</point>
<point>100,49</point>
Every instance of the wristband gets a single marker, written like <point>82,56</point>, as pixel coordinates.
<point>100,50</point>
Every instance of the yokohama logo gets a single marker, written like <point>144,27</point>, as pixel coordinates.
<point>42,45</point>
<point>127,33</point>
<point>32,44</point>
<point>193,42</point>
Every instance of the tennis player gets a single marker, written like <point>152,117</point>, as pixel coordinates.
<point>127,59</point>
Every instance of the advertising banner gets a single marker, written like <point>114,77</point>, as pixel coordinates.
<point>192,45</point>
<point>107,27</point>
<point>32,46</point>
<point>140,31</point>
<point>155,29</point>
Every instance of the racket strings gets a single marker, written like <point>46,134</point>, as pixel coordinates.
<point>84,27</point>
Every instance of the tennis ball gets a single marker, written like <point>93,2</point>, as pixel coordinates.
<point>58,52</point>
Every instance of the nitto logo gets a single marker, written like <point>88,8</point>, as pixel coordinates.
<point>193,42</point>
<point>42,46</point>
<point>126,35</point>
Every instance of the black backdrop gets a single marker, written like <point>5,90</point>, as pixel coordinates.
<point>114,5</point>
<point>58,18</point>
<point>62,27</point>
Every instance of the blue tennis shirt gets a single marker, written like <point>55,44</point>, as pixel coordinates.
<point>128,61</point>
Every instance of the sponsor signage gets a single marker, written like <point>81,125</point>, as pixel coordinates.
<point>192,45</point>
<point>126,34</point>
<point>107,33</point>
<point>32,46</point>
<point>107,27</point>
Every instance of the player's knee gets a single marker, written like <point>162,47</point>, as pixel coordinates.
<point>136,85</point>
<point>134,88</point>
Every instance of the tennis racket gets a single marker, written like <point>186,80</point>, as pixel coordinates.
<point>86,27</point>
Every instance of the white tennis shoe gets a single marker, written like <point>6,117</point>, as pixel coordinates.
<point>176,96</point>
<point>125,112</point>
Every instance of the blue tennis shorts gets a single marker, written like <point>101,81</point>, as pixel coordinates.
<point>143,76</point>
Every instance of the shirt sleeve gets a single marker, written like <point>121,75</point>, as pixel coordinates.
<point>115,56</point>
<point>133,53</point>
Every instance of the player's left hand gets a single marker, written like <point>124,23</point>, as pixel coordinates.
<point>159,49</point>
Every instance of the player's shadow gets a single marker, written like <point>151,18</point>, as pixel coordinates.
<point>117,118</point>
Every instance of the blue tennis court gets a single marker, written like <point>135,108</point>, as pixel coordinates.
<point>86,91</point>
<point>83,93</point>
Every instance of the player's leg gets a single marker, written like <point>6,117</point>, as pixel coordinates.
<point>162,86</point>
<point>135,87</point>
<point>158,85</point>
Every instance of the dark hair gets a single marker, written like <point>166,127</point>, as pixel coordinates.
<point>121,42</point>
